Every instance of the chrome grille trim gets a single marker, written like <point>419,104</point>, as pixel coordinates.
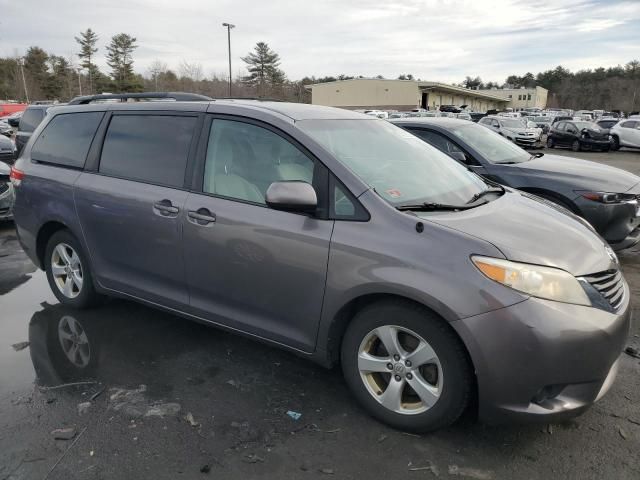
<point>610,285</point>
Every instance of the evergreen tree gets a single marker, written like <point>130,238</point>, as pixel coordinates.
<point>264,72</point>
<point>119,58</point>
<point>87,41</point>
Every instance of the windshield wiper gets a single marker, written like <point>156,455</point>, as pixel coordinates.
<point>481,194</point>
<point>427,206</point>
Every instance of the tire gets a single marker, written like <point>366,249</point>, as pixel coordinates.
<point>615,143</point>
<point>575,146</point>
<point>550,143</point>
<point>72,281</point>
<point>446,381</point>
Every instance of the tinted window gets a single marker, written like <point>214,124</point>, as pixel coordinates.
<point>243,160</point>
<point>31,119</point>
<point>607,123</point>
<point>437,140</point>
<point>66,139</point>
<point>150,148</point>
<point>560,126</point>
<point>629,124</point>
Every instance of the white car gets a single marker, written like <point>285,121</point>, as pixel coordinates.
<point>512,129</point>
<point>625,133</point>
<point>377,113</point>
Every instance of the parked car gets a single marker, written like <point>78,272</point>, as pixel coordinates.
<point>512,129</point>
<point>450,108</point>
<point>604,196</point>
<point>544,123</point>
<point>31,118</point>
<point>6,130</point>
<point>578,135</point>
<point>428,284</point>
<point>476,116</point>
<point>6,191</point>
<point>7,150</point>
<point>463,116</point>
<point>626,133</point>
<point>605,124</point>
<point>561,118</point>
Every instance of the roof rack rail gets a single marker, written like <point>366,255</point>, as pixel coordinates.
<point>123,97</point>
<point>259,99</point>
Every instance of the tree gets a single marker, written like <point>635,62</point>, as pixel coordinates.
<point>87,41</point>
<point>473,83</point>
<point>264,72</point>
<point>157,68</point>
<point>119,58</point>
<point>406,76</point>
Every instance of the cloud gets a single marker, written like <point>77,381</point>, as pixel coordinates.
<point>442,40</point>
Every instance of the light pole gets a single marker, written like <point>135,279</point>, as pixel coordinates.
<point>229,27</point>
<point>24,82</point>
<point>79,82</point>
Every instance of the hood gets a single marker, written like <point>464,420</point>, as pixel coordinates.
<point>529,230</point>
<point>521,130</point>
<point>585,175</point>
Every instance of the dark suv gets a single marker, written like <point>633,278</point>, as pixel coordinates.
<point>31,118</point>
<point>338,236</point>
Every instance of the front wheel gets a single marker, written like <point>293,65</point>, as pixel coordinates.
<point>550,142</point>
<point>615,143</point>
<point>575,146</point>
<point>68,271</point>
<point>406,366</point>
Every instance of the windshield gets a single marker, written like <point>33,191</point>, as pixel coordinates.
<point>399,166</point>
<point>511,123</point>
<point>492,146</point>
<point>589,125</point>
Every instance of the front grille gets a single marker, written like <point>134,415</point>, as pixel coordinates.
<point>610,285</point>
<point>3,187</point>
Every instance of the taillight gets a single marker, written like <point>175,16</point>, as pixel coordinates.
<point>16,176</point>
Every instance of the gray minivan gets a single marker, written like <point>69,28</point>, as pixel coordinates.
<point>338,236</point>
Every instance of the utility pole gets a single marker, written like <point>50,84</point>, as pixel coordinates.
<point>229,27</point>
<point>79,82</point>
<point>24,82</point>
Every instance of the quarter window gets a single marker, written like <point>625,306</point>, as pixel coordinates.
<point>148,148</point>
<point>66,139</point>
<point>629,124</point>
<point>243,160</point>
<point>30,119</point>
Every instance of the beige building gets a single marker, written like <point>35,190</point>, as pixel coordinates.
<point>521,98</point>
<point>371,93</point>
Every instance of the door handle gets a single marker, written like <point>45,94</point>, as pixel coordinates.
<point>165,207</point>
<point>202,216</point>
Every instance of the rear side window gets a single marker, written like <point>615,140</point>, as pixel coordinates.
<point>30,119</point>
<point>629,124</point>
<point>149,148</point>
<point>66,139</point>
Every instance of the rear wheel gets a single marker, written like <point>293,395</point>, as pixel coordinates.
<point>575,146</point>
<point>68,271</point>
<point>406,367</point>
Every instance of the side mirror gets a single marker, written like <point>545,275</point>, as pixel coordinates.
<point>14,122</point>
<point>458,156</point>
<point>292,196</point>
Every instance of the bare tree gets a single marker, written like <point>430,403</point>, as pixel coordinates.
<point>156,69</point>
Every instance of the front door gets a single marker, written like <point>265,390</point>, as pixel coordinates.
<point>250,267</point>
<point>131,208</point>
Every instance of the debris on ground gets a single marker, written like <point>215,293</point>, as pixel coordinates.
<point>382,438</point>
<point>65,385</point>
<point>20,346</point>
<point>97,394</point>
<point>134,403</point>
<point>632,351</point>
<point>189,418</point>
<point>64,433</point>
<point>548,430</point>
<point>623,433</point>
<point>205,468</point>
<point>427,468</point>
<point>253,459</point>
<point>326,471</point>
<point>470,472</point>
<point>83,407</point>
<point>65,453</point>
<point>634,421</point>
<point>294,415</point>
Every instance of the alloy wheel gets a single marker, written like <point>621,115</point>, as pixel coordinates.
<point>74,341</point>
<point>400,369</point>
<point>66,270</point>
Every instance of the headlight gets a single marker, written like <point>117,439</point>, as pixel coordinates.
<point>607,197</point>
<point>535,280</point>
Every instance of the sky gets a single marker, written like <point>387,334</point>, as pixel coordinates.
<point>436,40</point>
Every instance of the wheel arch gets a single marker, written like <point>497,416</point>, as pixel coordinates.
<point>46,231</point>
<point>553,196</point>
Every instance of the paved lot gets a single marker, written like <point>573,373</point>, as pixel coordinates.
<point>172,398</point>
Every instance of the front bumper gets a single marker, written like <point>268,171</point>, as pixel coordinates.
<point>617,223</point>
<point>593,144</point>
<point>527,141</point>
<point>7,199</point>
<point>543,360</point>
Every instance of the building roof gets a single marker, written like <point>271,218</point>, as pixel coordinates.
<point>422,85</point>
